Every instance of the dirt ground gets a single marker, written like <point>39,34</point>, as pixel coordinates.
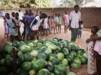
<point>81,42</point>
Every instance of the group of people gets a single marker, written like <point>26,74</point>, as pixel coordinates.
<point>20,25</point>
<point>28,25</point>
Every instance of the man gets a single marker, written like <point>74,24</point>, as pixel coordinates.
<point>75,18</point>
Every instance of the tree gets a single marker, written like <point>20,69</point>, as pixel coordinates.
<point>43,3</point>
<point>71,3</point>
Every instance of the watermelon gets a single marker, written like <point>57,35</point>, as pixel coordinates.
<point>54,60</point>
<point>8,59</point>
<point>60,56</point>
<point>2,61</point>
<point>26,66</point>
<point>75,65</point>
<point>38,64</point>
<point>59,69</point>
<point>25,48</point>
<point>32,72</point>
<point>65,62</point>
<point>8,48</point>
<point>27,57</point>
<point>44,72</point>
<point>49,66</point>
<point>71,73</point>
<point>21,72</point>
<point>34,53</point>
<point>42,56</point>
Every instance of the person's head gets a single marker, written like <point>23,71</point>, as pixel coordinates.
<point>94,29</point>
<point>49,17</point>
<point>80,22</point>
<point>16,15</point>
<point>58,14</point>
<point>13,14</point>
<point>19,10</point>
<point>43,15</point>
<point>7,16</point>
<point>30,12</point>
<point>76,8</point>
<point>26,12</point>
<point>66,12</point>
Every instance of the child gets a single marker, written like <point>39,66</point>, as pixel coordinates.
<point>57,20</point>
<point>52,24</point>
<point>66,21</point>
<point>80,29</point>
<point>45,25</point>
<point>59,23</point>
<point>90,48</point>
<point>11,27</point>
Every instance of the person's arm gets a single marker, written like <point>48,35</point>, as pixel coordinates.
<point>70,19</point>
<point>94,38</point>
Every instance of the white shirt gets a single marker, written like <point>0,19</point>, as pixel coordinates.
<point>37,25</point>
<point>21,14</point>
<point>46,23</point>
<point>75,18</point>
<point>21,28</point>
<point>97,47</point>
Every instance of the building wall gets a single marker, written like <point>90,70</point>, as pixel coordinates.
<point>90,16</point>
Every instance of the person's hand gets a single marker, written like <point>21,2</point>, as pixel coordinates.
<point>88,40</point>
<point>69,27</point>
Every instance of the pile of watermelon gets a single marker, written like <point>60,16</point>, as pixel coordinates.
<point>41,57</point>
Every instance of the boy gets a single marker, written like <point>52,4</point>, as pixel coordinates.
<point>80,29</point>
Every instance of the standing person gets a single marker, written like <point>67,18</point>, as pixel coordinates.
<point>91,68</point>
<point>28,18</point>
<point>56,19</point>
<point>66,21</point>
<point>11,27</point>
<point>17,24</point>
<point>6,29</point>
<point>80,29</point>
<point>97,50</point>
<point>25,23</point>
<point>59,23</point>
<point>52,24</point>
<point>35,26</point>
<point>75,17</point>
<point>21,15</point>
<point>46,25</point>
<point>21,29</point>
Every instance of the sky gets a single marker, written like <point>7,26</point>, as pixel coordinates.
<point>57,2</point>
